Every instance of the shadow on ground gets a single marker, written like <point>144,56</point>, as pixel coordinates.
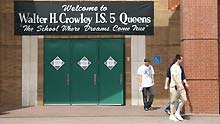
<point>6,110</point>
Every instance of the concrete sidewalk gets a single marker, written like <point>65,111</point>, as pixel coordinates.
<point>95,115</point>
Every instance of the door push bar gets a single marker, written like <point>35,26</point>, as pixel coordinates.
<point>121,79</point>
<point>94,79</point>
<point>68,79</point>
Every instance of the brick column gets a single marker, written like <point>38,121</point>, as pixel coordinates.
<point>199,36</point>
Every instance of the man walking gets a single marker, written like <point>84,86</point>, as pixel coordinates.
<point>176,89</point>
<point>146,80</point>
<point>167,83</point>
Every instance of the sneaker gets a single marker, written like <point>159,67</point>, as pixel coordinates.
<point>150,108</point>
<point>178,116</point>
<point>146,109</point>
<point>167,112</point>
<point>173,118</point>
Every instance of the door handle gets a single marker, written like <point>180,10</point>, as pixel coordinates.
<point>68,79</point>
<point>94,77</point>
<point>121,79</point>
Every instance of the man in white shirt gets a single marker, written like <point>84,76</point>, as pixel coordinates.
<point>146,80</point>
<point>177,89</point>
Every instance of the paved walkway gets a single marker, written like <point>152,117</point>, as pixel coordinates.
<point>95,115</point>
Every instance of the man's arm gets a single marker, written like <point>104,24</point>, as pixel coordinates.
<point>152,77</point>
<point>139,79</point>
<point>167,80</point>
<point>184,77</point>
<point>186,84</point>
<point>166,83</point>
<point>140,82</point>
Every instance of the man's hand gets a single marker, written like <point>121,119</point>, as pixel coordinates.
<point>166,83</point>
<point>140,89</point>
<point>166,87</point>
<point>152,82</point>
<point>187,85</point>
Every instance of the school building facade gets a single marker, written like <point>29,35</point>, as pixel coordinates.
<point>29,71</point>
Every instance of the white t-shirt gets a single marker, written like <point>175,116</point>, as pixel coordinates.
<point>146,72</point>
<point>175,71</point>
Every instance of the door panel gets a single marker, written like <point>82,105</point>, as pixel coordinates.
<point>84,88</point>
<point>111,79</point>
<point>56,89</point>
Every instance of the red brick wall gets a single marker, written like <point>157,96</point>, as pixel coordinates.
<point>10,58</point>
<point>199,19</point>
<point>199,33</point>
<point>219,49</point>
<point>201,59</point>
<point>201,66</point>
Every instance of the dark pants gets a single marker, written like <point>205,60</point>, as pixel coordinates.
<point>150,90</point>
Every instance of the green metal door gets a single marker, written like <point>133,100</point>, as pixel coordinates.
<point>84,71</point>
<point>56,71</point>
<point>84,67</point>
<point>111,71</point>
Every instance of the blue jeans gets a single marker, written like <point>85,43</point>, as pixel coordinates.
<point>167,107</point>
<point>149,102</point>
